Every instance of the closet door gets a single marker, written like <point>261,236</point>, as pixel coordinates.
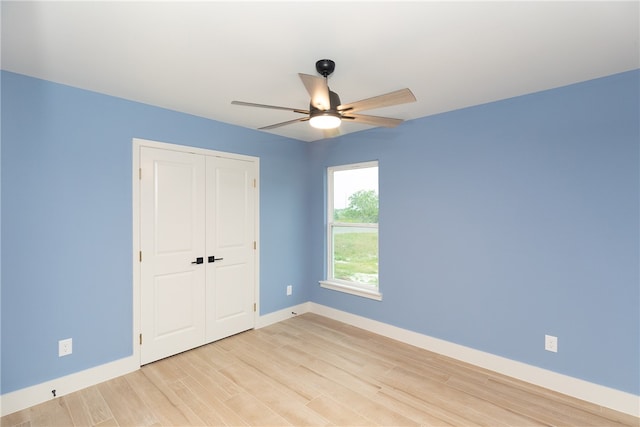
<point>198,254</point>
<point>172,237</point>
<point>231,251</point>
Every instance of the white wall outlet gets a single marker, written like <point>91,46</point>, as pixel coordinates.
<point>551,343</point>
<point>289,289</point>
<point>65,347</point>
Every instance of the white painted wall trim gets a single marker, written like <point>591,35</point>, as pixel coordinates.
<point>284,314</point>
<point>580,389</point>
<point>39,393</point>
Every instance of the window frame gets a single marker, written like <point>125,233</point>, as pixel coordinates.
<point>355,288</point>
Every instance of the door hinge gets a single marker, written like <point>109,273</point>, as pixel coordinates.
<point>254,245</point>
<point>140,339</point>
<point>254,306</point>
<point>140,256</point>
<point>139,173</point>
<point>254,183</point>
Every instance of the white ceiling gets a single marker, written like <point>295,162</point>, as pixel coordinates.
<point>196,57</point>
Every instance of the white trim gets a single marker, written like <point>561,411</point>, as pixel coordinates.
<point>280,315</point>
<point>188,149</point>
<point>361,292</point>
<point>39,393</point>
<point>600,395</point>
<point>332,282</point>
<point>135,212</point>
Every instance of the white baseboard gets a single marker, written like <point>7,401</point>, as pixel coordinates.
<point>580,389</point>
<point>280,315</point>
<point>39,393</point>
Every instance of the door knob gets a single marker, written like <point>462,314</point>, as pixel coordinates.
<point>198,260</point>
<point>214,259</point>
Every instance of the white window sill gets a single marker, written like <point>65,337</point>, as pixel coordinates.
<point>340,287</point>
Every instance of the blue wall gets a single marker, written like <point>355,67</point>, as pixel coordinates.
<point>508,221</point>
<point>499,224</point>
<point>67,228</point>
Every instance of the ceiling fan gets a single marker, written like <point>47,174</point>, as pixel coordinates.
<point>327,112</point>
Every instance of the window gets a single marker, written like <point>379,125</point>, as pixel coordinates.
<point>352,229</point>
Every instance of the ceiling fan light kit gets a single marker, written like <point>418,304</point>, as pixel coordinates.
<point>325,121</point>
<point>325,109</point>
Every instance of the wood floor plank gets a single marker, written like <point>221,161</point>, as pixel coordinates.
<point>416,411</point>
<point>312,370</point>
<point>337,413</point>
<point>212,401</point>
<point>254,412</point>
<point>285,374</point>
<point>78,411</point>
<point>154,374</point>
<point>19,418</point>
<point>214,355</point>
<point>200,411</point>
<point>51,413</point>
<point>166,412</point>
<point>289,405</point>
<point>346,355</point>
<point>434,408</point>
<point>437,393</point>
<point>371,407</point>
<point>127,407</point>
<point>208,376</point>
<point>95,405</point>
<point>542,407</point>
<point>106,423</point>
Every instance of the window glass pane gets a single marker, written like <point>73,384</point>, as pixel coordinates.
<point>355,195</point>
<point>355,254</point>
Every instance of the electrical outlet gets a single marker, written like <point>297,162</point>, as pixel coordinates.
<point>551,343</point>
<point>65,347</point>
<point>289,289</point>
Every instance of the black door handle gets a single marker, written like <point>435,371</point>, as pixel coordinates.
<point>198,260</point>
<point>214,259</point>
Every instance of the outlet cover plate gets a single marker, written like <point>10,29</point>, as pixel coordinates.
<point>551,343</point>
<point>289,289</point>
<point>65,347</point>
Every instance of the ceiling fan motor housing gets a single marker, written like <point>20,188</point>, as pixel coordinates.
<point>334,102</point>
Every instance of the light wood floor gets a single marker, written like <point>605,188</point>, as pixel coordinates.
<point>310,370</point>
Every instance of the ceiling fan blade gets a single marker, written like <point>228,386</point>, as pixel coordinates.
<point>273,107</point>
<point>318,90</point>
<point>373,120</point>
<point>401,96</point>
<point>289,122</point>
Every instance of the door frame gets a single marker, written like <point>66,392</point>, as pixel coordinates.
<point>137,143</point>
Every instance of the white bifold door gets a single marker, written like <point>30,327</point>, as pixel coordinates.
<point>198,249</point>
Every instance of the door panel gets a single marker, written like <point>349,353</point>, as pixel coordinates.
<point>176,206</point>
<point>172,227</point>
<point>175,294</point>
<point>229,292</point>
<point>230,281</point>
